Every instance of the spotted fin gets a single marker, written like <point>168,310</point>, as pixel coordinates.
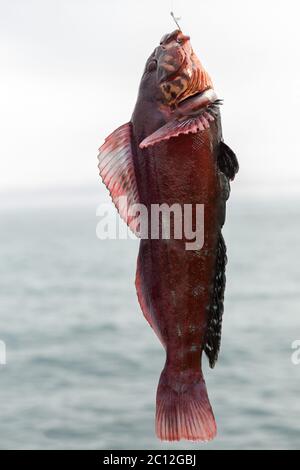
<point>178,126</point>
<point>214,327</point>
<point>117,173</point>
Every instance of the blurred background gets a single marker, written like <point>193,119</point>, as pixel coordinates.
<point>82,363</point>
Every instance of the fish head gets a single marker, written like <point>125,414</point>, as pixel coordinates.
<point>173,79</point>
<point>180,73</point>
<point>173,72</point>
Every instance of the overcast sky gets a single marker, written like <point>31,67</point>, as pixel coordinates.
<point>70,71</point>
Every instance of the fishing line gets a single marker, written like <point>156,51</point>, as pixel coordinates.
<point>175,18</point>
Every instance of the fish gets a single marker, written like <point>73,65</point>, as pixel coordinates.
<point>172,151</point>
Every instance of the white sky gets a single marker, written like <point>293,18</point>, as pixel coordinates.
<point>70,71</point>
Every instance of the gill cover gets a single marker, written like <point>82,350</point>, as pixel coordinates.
<point>191,117</point>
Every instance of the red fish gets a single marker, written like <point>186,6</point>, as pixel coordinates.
<point>172,152</point>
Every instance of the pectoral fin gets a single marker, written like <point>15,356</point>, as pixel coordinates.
<point>178,126</point>
<point>117,172</point>
<point>227,161</point>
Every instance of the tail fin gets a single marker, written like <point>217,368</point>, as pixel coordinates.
<point>183,411</point>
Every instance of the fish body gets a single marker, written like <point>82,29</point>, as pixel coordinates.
<point>172,153</point>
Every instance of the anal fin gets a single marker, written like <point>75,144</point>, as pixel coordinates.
<point>178,126</point>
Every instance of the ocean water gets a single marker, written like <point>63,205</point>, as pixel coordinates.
<point>83,364</point>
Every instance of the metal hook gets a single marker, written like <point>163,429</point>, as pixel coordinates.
<point>176,19</point>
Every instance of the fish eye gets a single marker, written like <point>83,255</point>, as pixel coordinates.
<point>152,66</point>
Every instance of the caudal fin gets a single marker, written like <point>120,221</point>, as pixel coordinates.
<point>183,411</point>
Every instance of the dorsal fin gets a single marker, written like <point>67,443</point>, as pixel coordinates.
<point>214,327</point>
<point>117,172</point>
